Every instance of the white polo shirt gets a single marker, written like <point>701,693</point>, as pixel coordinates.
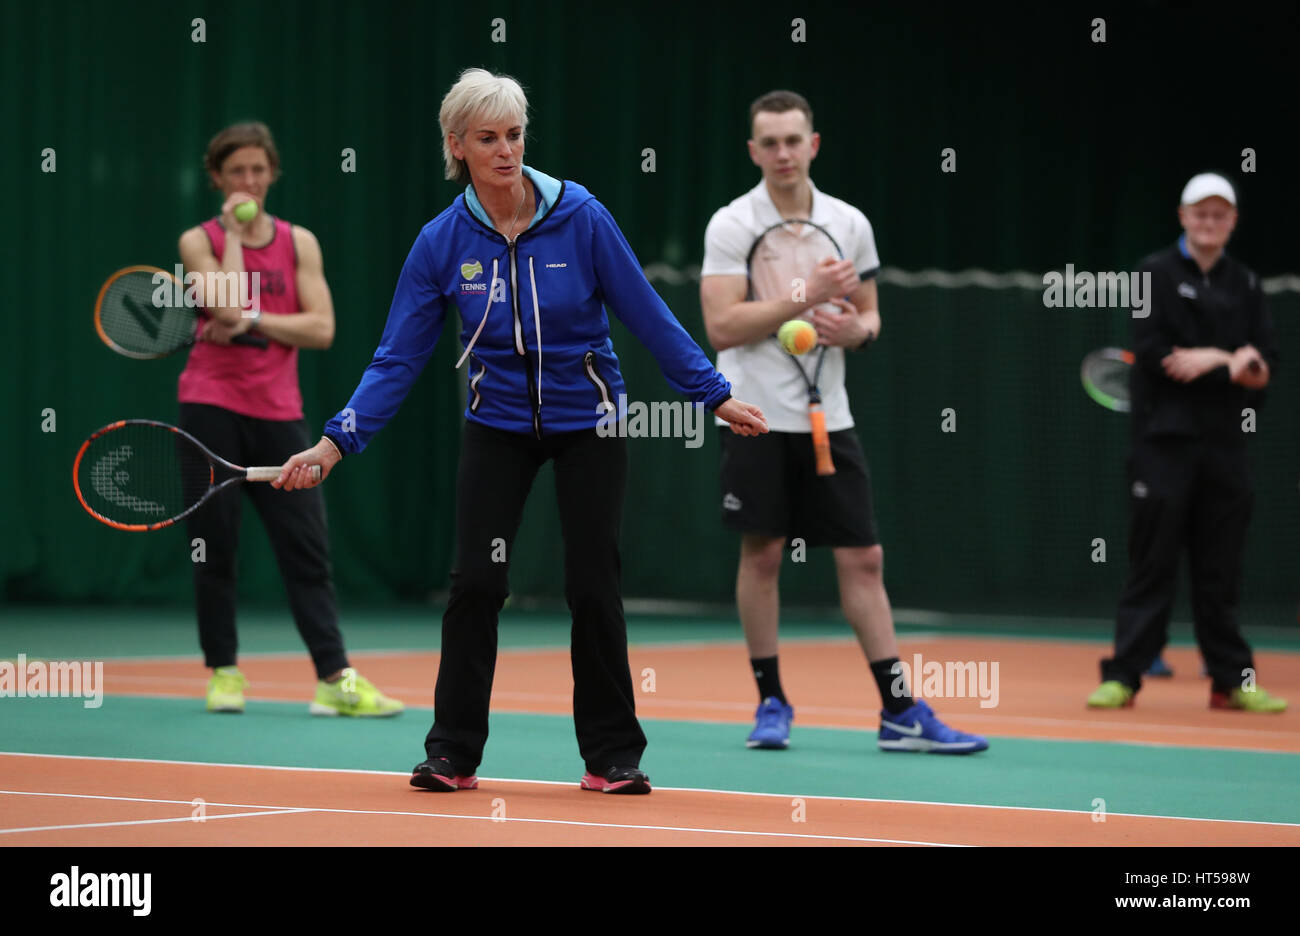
<point>762,373</point>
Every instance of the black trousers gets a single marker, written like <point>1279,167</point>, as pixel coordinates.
<point>1184,492</point>
<point>294,521</point>
<point>494,477</point>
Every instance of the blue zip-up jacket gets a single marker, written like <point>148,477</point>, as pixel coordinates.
<point>540,355</point>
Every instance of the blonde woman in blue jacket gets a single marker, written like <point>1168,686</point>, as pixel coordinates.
<point>531,262</point>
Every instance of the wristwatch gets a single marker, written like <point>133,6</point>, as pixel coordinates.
<point>865,342</point>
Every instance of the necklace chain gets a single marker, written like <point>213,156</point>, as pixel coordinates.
<point>515,220</point>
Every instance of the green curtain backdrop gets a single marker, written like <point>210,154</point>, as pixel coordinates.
<point>1068,151</point>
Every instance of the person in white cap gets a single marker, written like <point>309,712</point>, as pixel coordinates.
<point>1202,355</point>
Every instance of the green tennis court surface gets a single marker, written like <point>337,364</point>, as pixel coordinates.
<point>1068,775</point>
<point>114,632</point>
<point>1168,781</point>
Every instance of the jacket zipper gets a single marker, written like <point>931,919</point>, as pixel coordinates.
<point>520,350</point>
<point>589,361</point>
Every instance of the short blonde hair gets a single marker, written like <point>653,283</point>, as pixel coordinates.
<point>478,95</point>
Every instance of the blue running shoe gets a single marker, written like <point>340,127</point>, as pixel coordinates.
<point>919,729</point>
<point>1160,668</point>
<point>771,725</point>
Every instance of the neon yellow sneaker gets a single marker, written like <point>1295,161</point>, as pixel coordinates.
<point>1111,694</point>
<point>1248,700</point>
<point>353,694</point>
<point>226,690</point>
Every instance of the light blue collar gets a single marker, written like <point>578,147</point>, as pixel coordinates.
<point>547,188</point>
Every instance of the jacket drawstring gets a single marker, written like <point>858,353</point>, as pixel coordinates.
<point>492,284</point>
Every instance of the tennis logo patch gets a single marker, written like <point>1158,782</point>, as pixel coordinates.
<point>471,269</point>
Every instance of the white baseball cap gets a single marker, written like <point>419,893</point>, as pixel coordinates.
<point>1207,185</point>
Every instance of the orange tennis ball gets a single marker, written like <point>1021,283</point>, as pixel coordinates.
<point>797,336</point>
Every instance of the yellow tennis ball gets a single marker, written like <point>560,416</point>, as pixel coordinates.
<point>797,336</point>
<point>246,211</point>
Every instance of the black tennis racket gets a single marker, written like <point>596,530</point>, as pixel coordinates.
<point>778,266</point>
<point>138,474</point>
<point>136,314</point>
<point>1105,375</point>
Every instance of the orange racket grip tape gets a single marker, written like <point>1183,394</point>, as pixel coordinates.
<point>821,441</point>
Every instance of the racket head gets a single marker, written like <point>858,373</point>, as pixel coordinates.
<point>778,266</point>
<point>140,474</point>
<point>783,256</point>
<point>1105,375</point>
<point>136,314</point>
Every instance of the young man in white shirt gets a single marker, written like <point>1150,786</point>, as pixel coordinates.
<point>771,491</point>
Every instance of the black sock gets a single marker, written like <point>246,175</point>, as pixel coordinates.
<point>895,700</point>
<point>768,676</point>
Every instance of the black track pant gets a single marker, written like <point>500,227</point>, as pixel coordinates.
<point>294,521</point>
<point>495,474</point>
<point>1184,493</point>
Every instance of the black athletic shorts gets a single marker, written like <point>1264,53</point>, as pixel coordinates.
<point>770,487</point>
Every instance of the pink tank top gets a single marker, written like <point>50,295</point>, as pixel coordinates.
<point>262,383</point>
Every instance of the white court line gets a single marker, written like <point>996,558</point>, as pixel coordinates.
<point>283,810</point>
<point>870,717</point>
<point>266,811</point>
<point>905,637</point>
<point>564,783</point>
<point>1149,726</point>
<point>640,645</point>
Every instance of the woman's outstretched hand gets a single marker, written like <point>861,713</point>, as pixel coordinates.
<point>296,472</point>
<point>745,418</point>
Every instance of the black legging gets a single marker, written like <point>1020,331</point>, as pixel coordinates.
<point>496,472</point>
<point>294,521</point>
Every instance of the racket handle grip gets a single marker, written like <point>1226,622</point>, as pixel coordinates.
<point>821,441</point>
<point>271,472</point>
<point>256,341</point>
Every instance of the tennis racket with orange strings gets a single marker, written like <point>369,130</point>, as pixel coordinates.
<point>139,474</point>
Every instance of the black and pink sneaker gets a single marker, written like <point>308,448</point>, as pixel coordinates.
<point>617,780</point>
<point>438,774</point>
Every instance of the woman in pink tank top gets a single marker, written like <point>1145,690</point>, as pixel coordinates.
<point>243,402</point>
<point>255,382</point>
